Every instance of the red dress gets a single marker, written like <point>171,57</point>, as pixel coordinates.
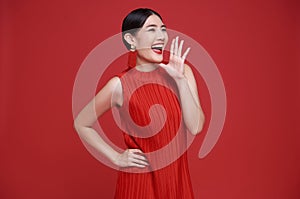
<point>158,181</point>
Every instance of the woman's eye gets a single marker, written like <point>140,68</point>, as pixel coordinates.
<point>152,29</point>
<point>164,29</point>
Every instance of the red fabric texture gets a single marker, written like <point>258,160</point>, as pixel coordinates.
<point>173,180</point>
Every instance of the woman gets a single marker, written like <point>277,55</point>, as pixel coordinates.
<point>171,85</point>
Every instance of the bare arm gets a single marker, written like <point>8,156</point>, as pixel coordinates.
<point>182,74</point>
<point>192,112</point>
<point>83,123</point>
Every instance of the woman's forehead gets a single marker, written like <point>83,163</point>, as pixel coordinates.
<point>153,20</point>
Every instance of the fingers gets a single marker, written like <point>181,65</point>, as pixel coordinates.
<point>180,47</point>
<point>136,158</point>
<point>135,150</point>
<point>132,164</point>
<point>176,46</point>
<point>141,163</point>
<point>172,47</point>
<point>186,53</point>
<point>139,157</point>
<point>177,49</point>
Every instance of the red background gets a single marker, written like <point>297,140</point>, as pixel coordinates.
<point>255,44</point>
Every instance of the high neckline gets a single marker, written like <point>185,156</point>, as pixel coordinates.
<point>144,72</point>
<point>144,76</point>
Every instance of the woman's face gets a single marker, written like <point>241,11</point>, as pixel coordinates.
<point>151,40</point>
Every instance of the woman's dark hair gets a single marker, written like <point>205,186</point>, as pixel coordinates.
<point>134,21</point>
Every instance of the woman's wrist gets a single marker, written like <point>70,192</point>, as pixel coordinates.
<point>115,158</point>
<point>181,82</point>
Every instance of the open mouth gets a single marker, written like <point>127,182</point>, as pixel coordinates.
<point>157,48</point>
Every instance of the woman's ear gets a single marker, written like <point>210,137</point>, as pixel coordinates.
<point>129,38</point>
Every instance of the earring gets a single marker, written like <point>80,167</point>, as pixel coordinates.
<point>132,57</point>
<point>132,47</point>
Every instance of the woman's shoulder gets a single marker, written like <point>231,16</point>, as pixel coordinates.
<point>113,88</point>
<point>116,79</point>
<point>113,83</point>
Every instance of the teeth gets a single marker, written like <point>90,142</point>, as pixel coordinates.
<point>157,46</point>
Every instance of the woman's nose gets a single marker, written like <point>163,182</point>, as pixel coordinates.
<point>160,35</point>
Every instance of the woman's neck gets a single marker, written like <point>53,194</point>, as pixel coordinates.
<point>144,66</point>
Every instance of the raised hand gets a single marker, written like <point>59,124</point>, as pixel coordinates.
<point>131,158</point>
<point>175,67</point>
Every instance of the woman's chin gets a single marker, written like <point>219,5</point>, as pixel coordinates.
<point>157,59</point>
<point>154,60</point>
<point>150,57</point>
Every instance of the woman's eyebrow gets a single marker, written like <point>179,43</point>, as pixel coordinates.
<point>154,25</point>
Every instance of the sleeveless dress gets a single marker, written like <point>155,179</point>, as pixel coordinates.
<point>167,176</point>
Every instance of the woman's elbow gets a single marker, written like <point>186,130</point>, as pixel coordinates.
<point>199,127</point>
<point>77,126</point>
<point>196,131</point>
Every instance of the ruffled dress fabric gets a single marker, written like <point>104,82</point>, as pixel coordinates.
<point>167,176</point>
